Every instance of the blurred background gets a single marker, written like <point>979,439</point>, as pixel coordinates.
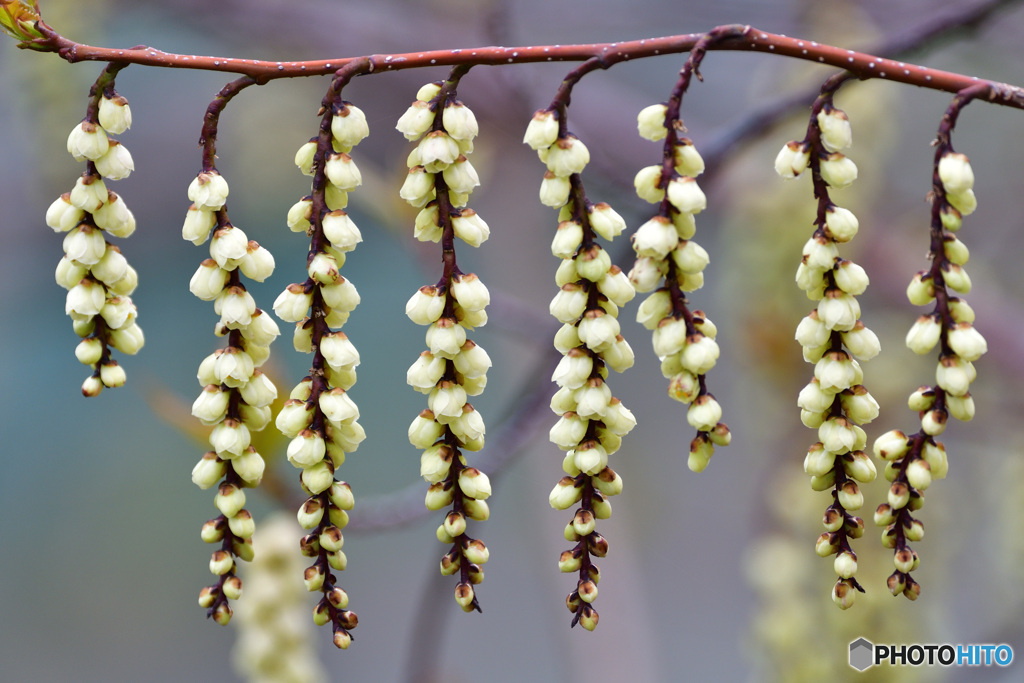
<point>710,575</point>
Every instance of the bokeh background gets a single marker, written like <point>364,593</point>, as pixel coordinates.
<point>710,576</point>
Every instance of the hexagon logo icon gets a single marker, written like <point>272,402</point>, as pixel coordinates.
<point>862,654</point>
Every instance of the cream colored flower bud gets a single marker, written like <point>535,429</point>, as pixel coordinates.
<point>85,299</point>
<point>841,225</point>
<point>230,499</point>
<point>293,303</point>
<point>474,483</point>
<point>845,564</point>
<point>593,398</point>
<point>348,126</point>
<point>114,114</point>
<point>229,438</point>
<point>590,458</point>
<point>921,290</point>
<point>961,407</point>
<point>221,563</point>
<point>700,354</point>
<point>470,292</point>
<point>955,172</point>
<point>704,413</point>
<point>470,228</point>
<point>593,263</point>
<point>955,250</point>
<point>862,342</point>
<point>318,478</point>
<point>234,367</point>
<point>892,445</point>
<point>654,309</point>
<point>435,462</point>
<point>813,399</point>
<point>792,159</point>
<point>647,273</point>
<point>820,253</point>
<point>235,306</point>
<point>127,284</point>
<point>669,337</point>
<point>605,221</point>
<point>337,406</point>
<point>111,267</point>
<point>686,196</point>
<point>616,286</point>
<point>650,122</point>
<point>919,474</point>
<point>61,215</point>
<point>836,133</point>
<point>837,170</point>
<point>567,240</point>
<point>859,405</point>
<point>565,494</point>
<point>242,524</point>
<point>437,150</point>
<point>416,120</point>
<point>446,401</point>
<point>460,176</point>
<point>258,262</point>
<point>229,246</point>
<point>934,453</point>
<point>208,190</point>
<point>262,331</point>
<point>835,371</point>
<point>954,374</point>
<point>208,471</point>
<point>569,304</point>
<point>690,257</point>
<point>118,312</point>
<point>836,434</point>
<point>85,245</point>
<point>305,155</point>
<point>117,163</point>
<point>965,202</point>
<point>956,278</point>
<point>343,172</point>
<point>554,190</point>
<point>211,405</point>
<point>249,465</point>
<point>87,141</point>
<point>648,184</point>
<point>340,296</point>
<point>445,337</point>
<point>859,466</point>
<point>838,310</point>
<point>306,449</point>
<point>701,450</point>
<point>850,277</point>
<point>198,224</point>
<point>967,342</point>
<point>542,131</point>
<point>424,431</point>
<point>129,339</point>
<point>573,369</point>
<point>459,121</point>
<point>686,158</point>
<point>338,351</point>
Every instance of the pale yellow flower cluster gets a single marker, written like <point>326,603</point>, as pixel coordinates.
<point>96,275</point>
<point>835,402</point>
<point>591,421</point>
<point>453,367</point>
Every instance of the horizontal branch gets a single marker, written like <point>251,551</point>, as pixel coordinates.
<point>743,38</point>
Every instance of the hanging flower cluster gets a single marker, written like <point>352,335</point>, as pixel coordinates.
<point>913,462</point>
<point>95,273</point>
<point>236,395</point>
<point>320,417</point>
<point>453,367</point>
<point>591,421</point>
<point>835,402</point>
<point>670,263</point>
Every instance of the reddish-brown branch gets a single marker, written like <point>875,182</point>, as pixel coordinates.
<point>746,38</point>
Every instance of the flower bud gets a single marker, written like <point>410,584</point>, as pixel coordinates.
<point>792,159</point>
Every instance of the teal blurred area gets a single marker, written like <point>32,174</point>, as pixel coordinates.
<point>100,555</point>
